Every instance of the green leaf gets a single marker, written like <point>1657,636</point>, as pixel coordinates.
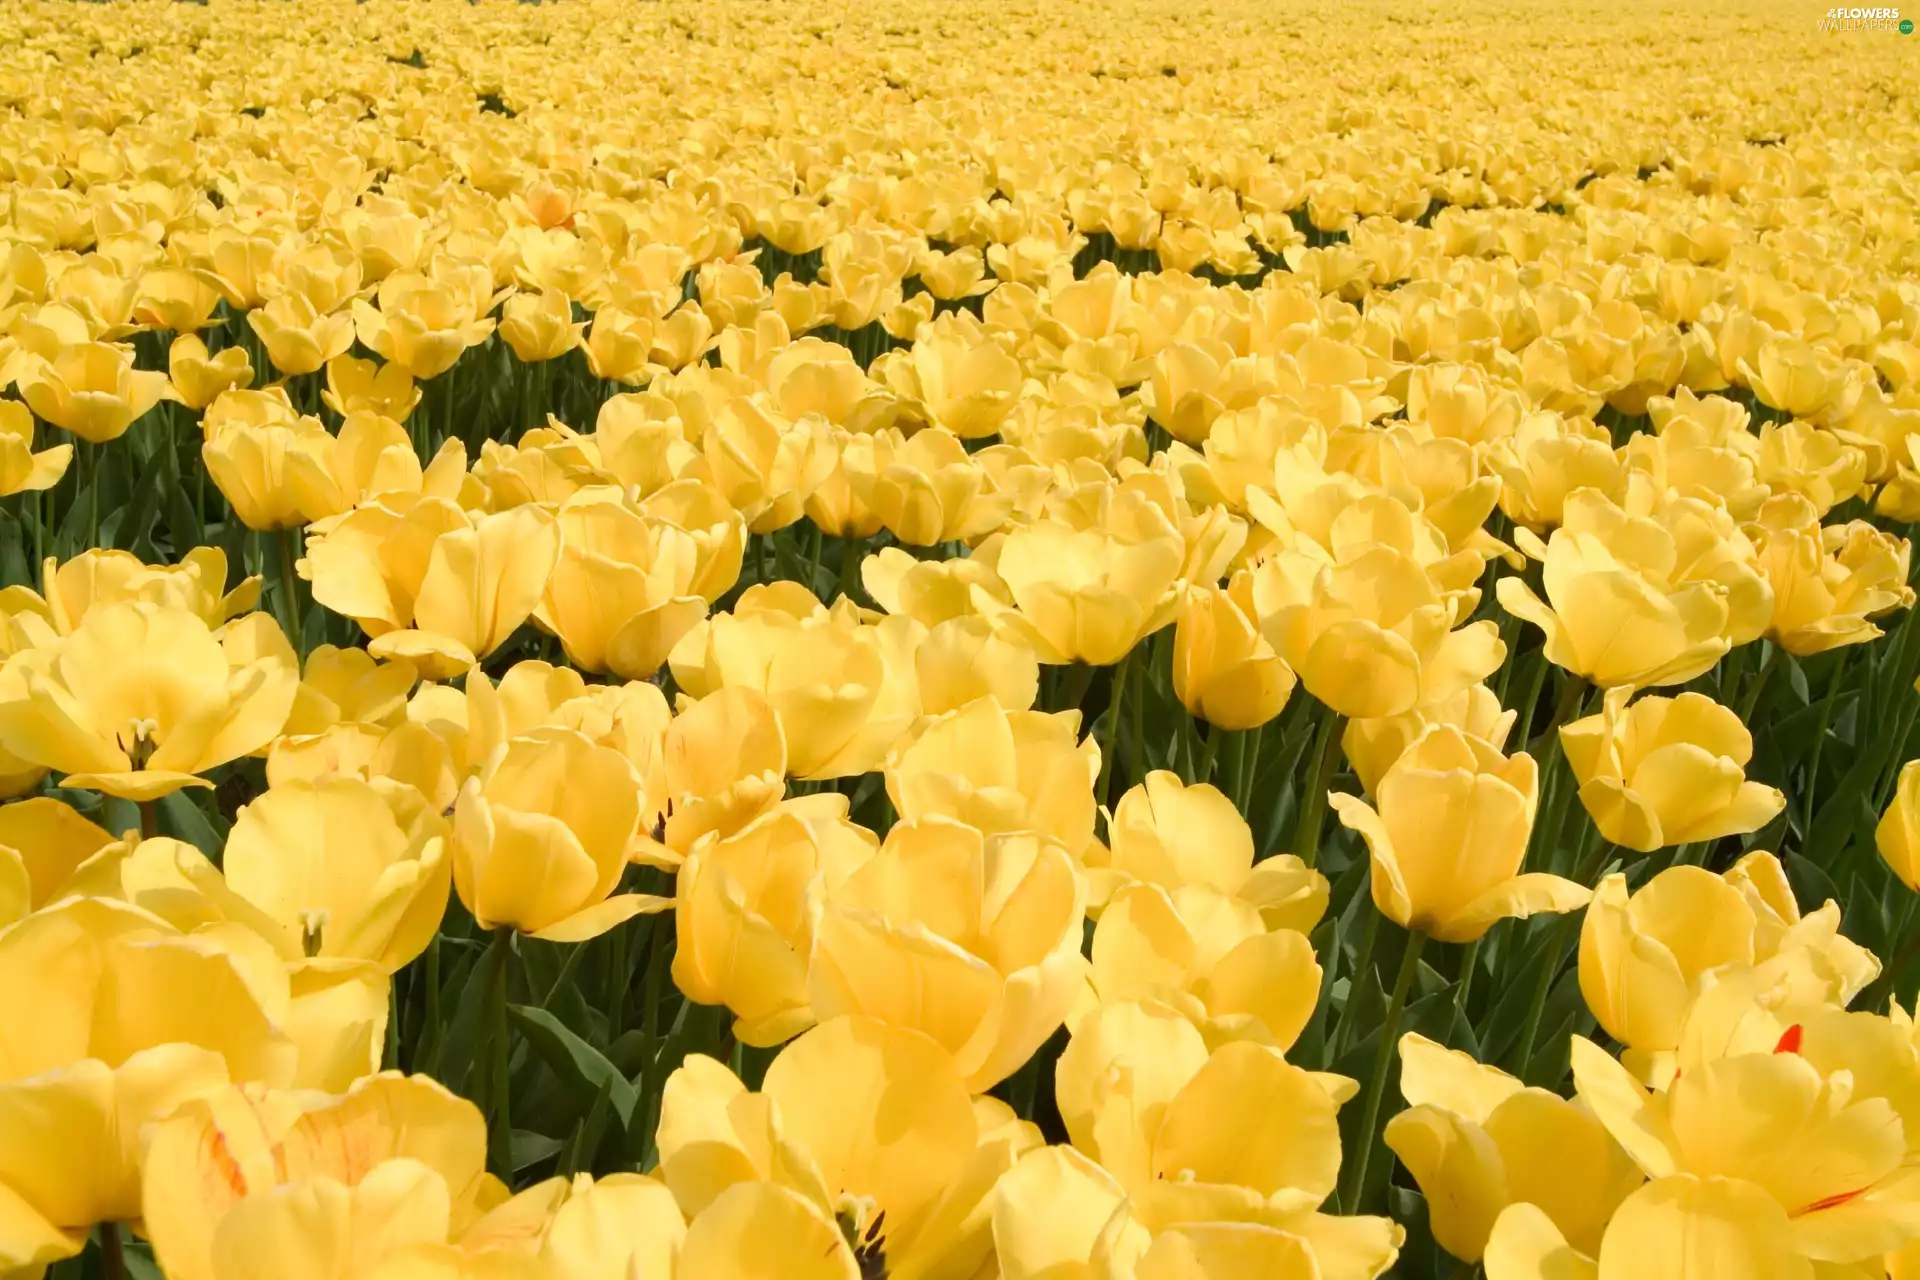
<point>184,820</point>
<point>581,1067</point>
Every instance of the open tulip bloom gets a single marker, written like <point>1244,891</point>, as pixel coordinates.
<point>958,642</point>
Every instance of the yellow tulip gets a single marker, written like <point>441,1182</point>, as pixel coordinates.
<point>620,596</point>
<point>300,339</point>
<point>22,469</point>
<point>845,691</point>
<point>1169,834</point>
<point>1898,834</point>
<point>1828,583</point>
<point>250,464</point>
<point>199,378</point>
<point>1371,746</point>
<point>140,698</point>
<point>91,389</point>
<point>959,377</point>
<point>618,1226</point>
<point>1822,1159</point>
<point>1209,955</point>
<point>1086,595</point>
<point>1792,376</point>
<point>175,298</point>
<point>862,1137</point>
<point>98,577</point>
<point>231,1147</point>
<point>972,940</point>
<point>42,843</point>
<point>722,763</point>
<point>540,839</point>
<point>1224,671</point>
<point>341,873</point>
<point>767,465</point>
<point>1666,771</point>
<point>362,386</point>
<point>1672,1228</point>
<point>421,324</point>
<point>1645,957</point>
<point>999,771</point>
<point>540,326</point>
<point>1615,610</point>
<point>962,659</point>
<point>1477,1140</point>
<point>925,488</point>
<point>1547,458</point>
<point>745,915</point>
<point>328,475</point>
<point>429,582</point>
<point>1180,1128</point>
<point>1448,837</point>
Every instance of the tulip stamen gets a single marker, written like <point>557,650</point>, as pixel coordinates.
<point>141,749</point>
<point>313,928</point>
<point>866,1238</point>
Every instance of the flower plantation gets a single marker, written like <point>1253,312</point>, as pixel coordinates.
<point>976,641</point>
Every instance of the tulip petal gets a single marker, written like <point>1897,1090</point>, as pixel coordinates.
<point>1516,898</point>
<point>595,920</point>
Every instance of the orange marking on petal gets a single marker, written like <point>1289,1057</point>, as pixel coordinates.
<point>1833,1201</point>
<point>1790,1040</point>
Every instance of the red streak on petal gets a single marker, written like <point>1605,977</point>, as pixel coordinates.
<point>1832,1201</point>
<point>1790,1040</point>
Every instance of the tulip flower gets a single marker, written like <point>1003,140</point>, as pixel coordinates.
<point>540,326</point>
<point>1448,836</point>
<point>540,839</point>
<point>140,698</point>
<point>92,390</point>
<point>959,377</point>
<point>199,378</point>
<point>1547,458</point>
<point>722,763</point>
<point>363,386</point>
<point>1897,836</point>
<point>973,940</point>
<point>1822,1158</point>
<point>1618,615</point>
<point>999,771</point>
<point>620,596</point>
<point>1224,671</point>
<point>1828,583</point>
<point>1373,636</point>
<point>250,464</point>
<point>300,339</point>
<point>1477,1140</point>
<point>1371,746</point>
<point>421,324</point>
<point>880,1154</point>
<point>1169,834</point>
<point>767,465</point>
<point>845,691</point>
<point>231,1148</point>
<point>22,470</point>
<point>98,577</point>
<point>926,489</point>
<point>431,584</point>
<point>331,862</point>
<point>1646,957</point>
<point>1666,771</point>
<point>42,843</point>
<point>1086,595</point>
<point>745,915</point>
<point>175,298</point>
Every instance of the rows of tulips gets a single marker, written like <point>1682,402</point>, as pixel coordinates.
<point>954,643</point>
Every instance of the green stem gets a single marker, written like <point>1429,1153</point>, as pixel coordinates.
<point>1469,961</point>
<point>1116,707</point>
<point>1759,685</point>
<point>1382,1063</point>
<point>149,819</point>
<point>500,1119</point>
<point>1362,961</point>
<point>1203,772</point>
<point>290,588</point>
<point>1313,803</point>
<point>113,1259</point>
<point>1542,988</point>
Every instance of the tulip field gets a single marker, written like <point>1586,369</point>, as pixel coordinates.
<point>691,640</point>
